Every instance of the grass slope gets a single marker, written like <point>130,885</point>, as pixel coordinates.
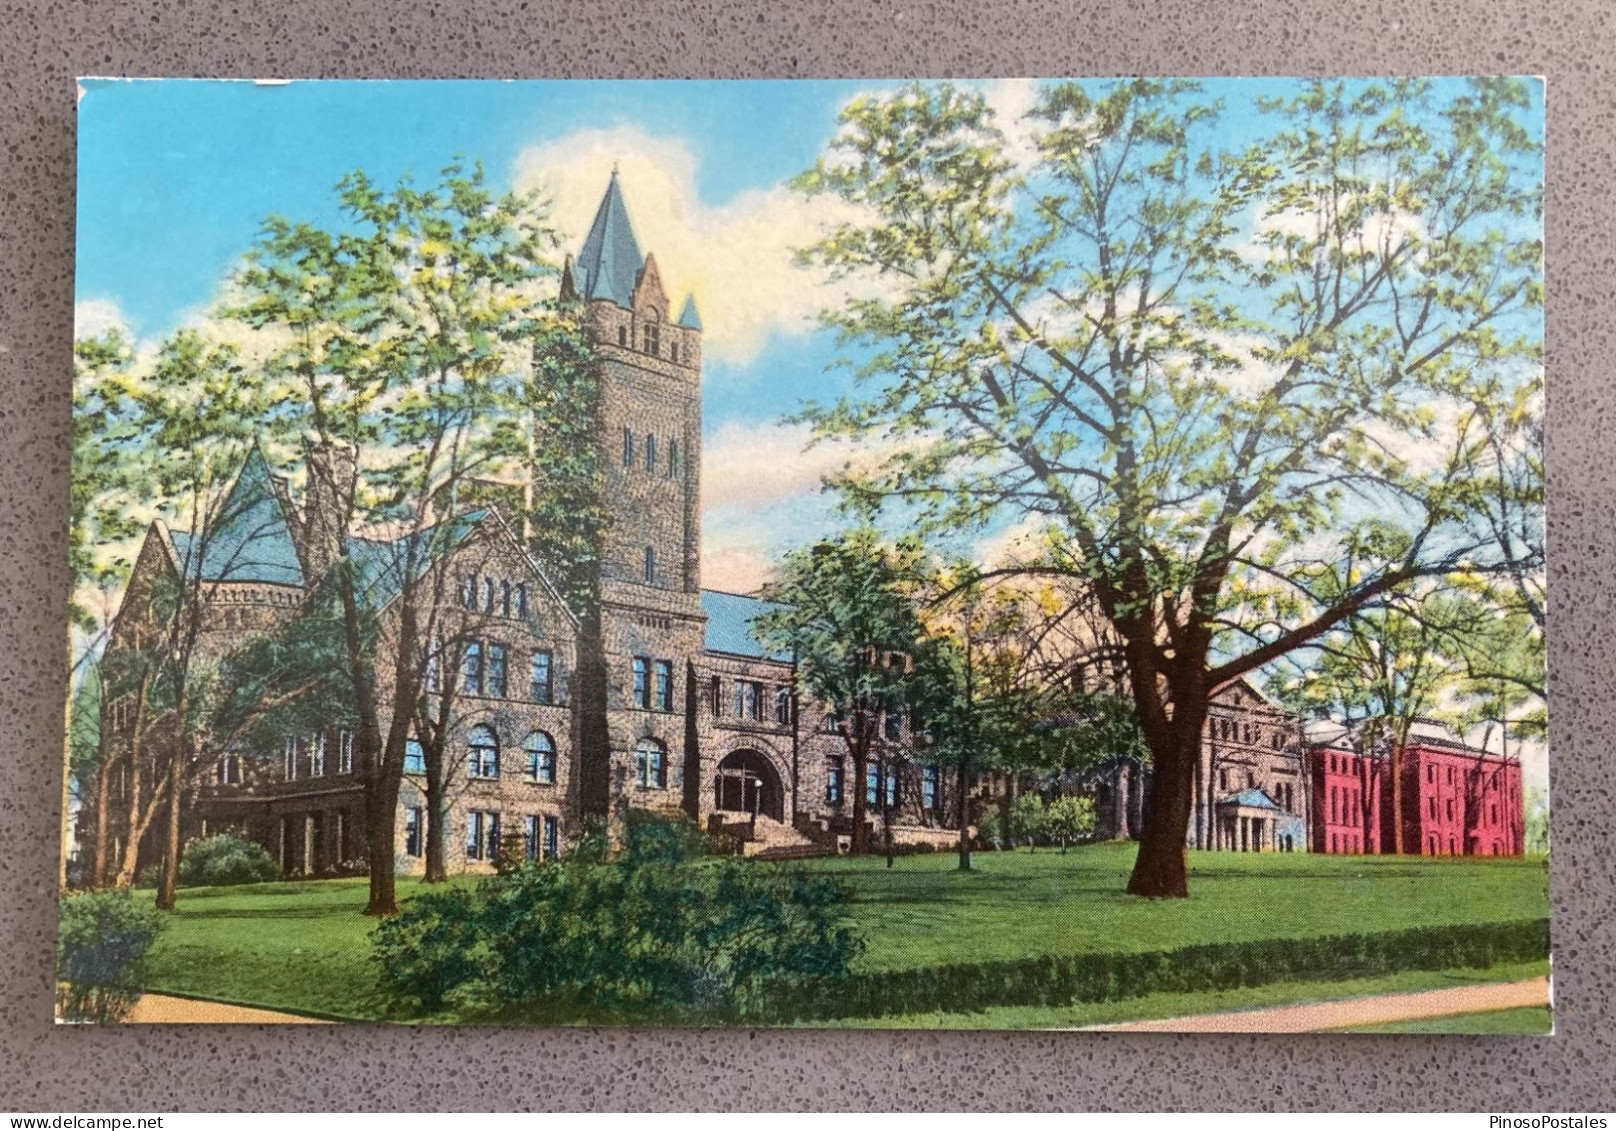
<point>305,946</point>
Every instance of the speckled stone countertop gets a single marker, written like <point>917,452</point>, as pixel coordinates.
<point>45,44</point>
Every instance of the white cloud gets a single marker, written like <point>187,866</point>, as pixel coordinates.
<point>93,317</point>
<point>1010,100</point>
<point>735,257</point>
<point>750,466</point>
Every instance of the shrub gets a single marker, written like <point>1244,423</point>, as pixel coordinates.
<point>101,945</point>
<point>1028,819</point>
<point>226,858</point>
<point>1062,980</point>
<point>1068,819</point>
<point>653,934</point>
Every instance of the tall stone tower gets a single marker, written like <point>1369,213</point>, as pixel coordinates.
<point>651,619</point>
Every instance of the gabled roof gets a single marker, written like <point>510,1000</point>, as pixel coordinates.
<point>381,565</point>
<point>608,265</point>
<point>251,541</point>
<point>730,627</point>
<point>688,318</point>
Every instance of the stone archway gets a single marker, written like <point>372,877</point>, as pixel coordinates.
<point>746,782</point>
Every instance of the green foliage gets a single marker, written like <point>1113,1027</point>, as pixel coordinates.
<point>650,838</point>
<point>1069,818</point>
<point>1028,819</point>
<point>1060,980</point>
<point>226,858</point>
<point>1537,822</point>
<point>101,945</point>
<point>1214,374</point>
<point>640,938</point>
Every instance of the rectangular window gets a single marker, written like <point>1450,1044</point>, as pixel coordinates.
<point>628,447</point>
<point>414,757</point>
<point>891,782</point>
<point>482,835</point>
<point>650,453</point>
<point>521,600</point>
<point>496,670</point>
<point>317,755</point>
<point>652,766</point>
<point>345,744</point>
<point>930,778</point>
<point>717,690</point>
<point>642,682</point>
<point>872,784</point>
<point>748,699</point>
<point>892,724</point>
<point>552,838</point>
<point>289,768</point>
<point>412,831</point>
<point>673,459</point>
<point>468,591</point>
<point>543,688</point>
<point>833,782</point>
<point>782,707</point>
<point>472,669</point>
<point>530,836</point>
<point>664,685</point>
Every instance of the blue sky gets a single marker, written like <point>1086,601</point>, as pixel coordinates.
<point>175,177</point>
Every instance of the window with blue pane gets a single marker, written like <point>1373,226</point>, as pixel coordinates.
<point>413,843</point>
<point>496,670</point>
<point>652,764</point>
<point>414,757</point>
<point>929,780</point>
<point>891,781</point>
<point>664,685</point>
<point>552,838</point>
<point>541,758</point>
<point>471,669</point>
<point>642,682</point>
<point>530,836</point>
<point>482,754</point>
<point>872,784</point>
<point>833,782</point>
<point>543,681</point>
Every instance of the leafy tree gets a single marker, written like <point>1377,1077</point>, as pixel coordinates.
<point>1029,820</point>
<point>1069,818</point>
<point>1213,373</point>
<point>411,353</point>
<point>848,614</point>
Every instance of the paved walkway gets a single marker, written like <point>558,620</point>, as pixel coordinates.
<point>1311,1017</point>
<point>162,1009</point>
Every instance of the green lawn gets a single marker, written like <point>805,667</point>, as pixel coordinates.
<point>1083,1014</point>
<point>305,946</point>
<point>1529,1021</point>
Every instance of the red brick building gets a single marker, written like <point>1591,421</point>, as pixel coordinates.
<point>1457,800</point>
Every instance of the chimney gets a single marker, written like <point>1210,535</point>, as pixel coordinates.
<point>328,500</point>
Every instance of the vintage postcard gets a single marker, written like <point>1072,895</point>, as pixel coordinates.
<point>1048,553</point>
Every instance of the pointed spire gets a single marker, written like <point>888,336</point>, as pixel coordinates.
<point>609,262</point>
<point>688,318</point>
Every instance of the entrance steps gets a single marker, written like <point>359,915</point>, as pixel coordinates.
<point>772,840</point>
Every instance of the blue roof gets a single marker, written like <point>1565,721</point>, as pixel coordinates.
<point>250,541</point>
<point>730,629</point>
<point>688,318</point>
<point>381,564</point>
<point>1251,799</point>
<point>609,263</point>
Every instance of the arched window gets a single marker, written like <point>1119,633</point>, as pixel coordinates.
<point>652,764</point>
<point>482,753</point>
<point>650,565</point>
<point>488,595</point>
<point>521,599</point>
<point>541,758</point>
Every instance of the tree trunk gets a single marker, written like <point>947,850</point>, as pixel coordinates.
<point>437,824</point>
<point>381,814</point>
<point>964,811</point>
<point>1397,798</point>
<point>103,797</point>
<point>861,770</point>
<point>1161,870</point>
<point>594,755</point>
<point>168,891</point>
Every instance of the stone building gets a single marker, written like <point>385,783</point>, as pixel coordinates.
<point>1251,781</point>
<point>701,717</point>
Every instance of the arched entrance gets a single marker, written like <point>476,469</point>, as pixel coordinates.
<point>747,783</point>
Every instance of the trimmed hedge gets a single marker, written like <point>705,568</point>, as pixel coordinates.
<point>1063,980</point>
